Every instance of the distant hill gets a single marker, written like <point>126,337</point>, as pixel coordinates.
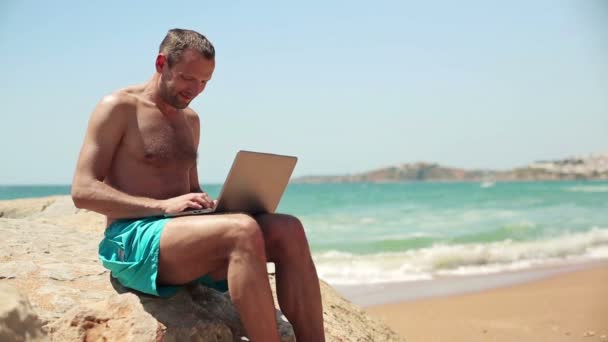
<point>588,167</point>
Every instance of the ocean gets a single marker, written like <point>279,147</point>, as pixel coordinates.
<point>366,233</point>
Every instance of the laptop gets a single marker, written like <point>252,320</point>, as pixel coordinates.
<point>255,184</point>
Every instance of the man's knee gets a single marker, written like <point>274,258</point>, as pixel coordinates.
<point>247,236</point>
<point>287,235</point>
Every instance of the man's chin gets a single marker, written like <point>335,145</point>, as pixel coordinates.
<point>180,104</point>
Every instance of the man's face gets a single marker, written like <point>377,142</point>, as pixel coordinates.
<point>187,78</point>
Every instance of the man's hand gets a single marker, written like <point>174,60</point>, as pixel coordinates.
<point>192,200</point>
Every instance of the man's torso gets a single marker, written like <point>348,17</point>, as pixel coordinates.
<point>156,153</point>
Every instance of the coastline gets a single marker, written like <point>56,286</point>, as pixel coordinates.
<point>368,295</point>
<point>557,303</point>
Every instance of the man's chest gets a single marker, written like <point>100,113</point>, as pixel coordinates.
<point>159,143</point>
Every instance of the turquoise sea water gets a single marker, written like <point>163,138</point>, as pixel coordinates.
<point>366,233</point>
<point>26,191</point>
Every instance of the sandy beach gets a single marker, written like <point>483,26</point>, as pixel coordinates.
<point>567,305</point>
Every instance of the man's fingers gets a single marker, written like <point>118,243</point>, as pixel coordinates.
<point>198,198</point>
<point>195,205</point>
<point>203,199</point>
<point>204,203</point>
<point>209,203</point>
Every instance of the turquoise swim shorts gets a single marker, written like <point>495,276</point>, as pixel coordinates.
<point>130,251</point>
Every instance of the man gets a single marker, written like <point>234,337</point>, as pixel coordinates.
<point>138,162</point>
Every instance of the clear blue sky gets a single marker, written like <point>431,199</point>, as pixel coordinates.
<point>346,86</point>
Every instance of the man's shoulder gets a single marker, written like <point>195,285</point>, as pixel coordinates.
<point>116,107</point>
<point>122,98</point>
<point>189,112</point>
<point>191,115</point>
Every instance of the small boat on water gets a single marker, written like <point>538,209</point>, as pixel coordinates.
<point>487,184</point>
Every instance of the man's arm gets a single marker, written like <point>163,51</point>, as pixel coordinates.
<point>107,126</point>
<point>195,186</point>
<point>195,124</point>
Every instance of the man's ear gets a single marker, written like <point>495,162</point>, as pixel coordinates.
<point>161,61</point>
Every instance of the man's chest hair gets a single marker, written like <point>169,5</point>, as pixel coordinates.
<point>158,142</point>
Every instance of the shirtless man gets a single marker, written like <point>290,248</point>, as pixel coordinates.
<point>138,162</point>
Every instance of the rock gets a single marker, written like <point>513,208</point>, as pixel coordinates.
<point>12,270</point>
<point>201,314</point>
<point>345,321</point>
<point>59,207</point>
<point>48,251</point>
<point>55,210</point>
<point>22,208</point>
<point>18,322</point>
<point>119,318</point>
<point>58,272</point>
<point>55,266</point>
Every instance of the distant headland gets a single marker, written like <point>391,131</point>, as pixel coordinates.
<point>592,167</point>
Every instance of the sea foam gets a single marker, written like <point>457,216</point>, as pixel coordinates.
<point>338,267</point>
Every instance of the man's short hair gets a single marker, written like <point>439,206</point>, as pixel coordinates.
<point>177,40</point>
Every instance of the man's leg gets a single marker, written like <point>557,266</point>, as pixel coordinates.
<point>297,282</point>
<point>192,246</point>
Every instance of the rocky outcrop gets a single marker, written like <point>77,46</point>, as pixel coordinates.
<point>401,173</point>
<point>48,252</point>
<point>118,318</point>
<point>346,322</point>
<point>18,322</point>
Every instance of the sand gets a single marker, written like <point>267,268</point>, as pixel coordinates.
<point>569,306</point>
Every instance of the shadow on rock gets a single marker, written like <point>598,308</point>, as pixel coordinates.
<point>197,312</point>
